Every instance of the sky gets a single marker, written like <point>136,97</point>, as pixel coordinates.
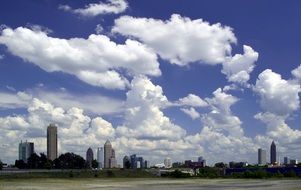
<point>172,78</point>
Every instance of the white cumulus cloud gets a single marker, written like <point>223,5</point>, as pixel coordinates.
<point>239,67</point>
<point>100,8</point>
<point>96,60</point>
<point>180,40</point>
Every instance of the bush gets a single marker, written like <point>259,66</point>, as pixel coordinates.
<point>110,173</point>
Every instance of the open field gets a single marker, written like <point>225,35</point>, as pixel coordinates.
<point>148,184</point>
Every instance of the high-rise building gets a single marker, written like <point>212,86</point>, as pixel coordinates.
<point>51,142</point>
<point>126,162</point>
<point>109,156</point>
<point>140,162</point>
<point>89,157</point>
<point>100,157</point>
<point>133,161</point>
<point>286,160</point>
<point>107,153</point>
<point>167,162</point>
<point>273,154</point>
<point>262,157</point>
<point>112,160</point>
<point>26,149</point>
<point>202,161</point>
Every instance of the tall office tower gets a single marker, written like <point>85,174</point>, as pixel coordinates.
<point>112,160</point>
<point>167,162</point>
<point>286,160</point>
<point>133,161</point>
<point>26,149</point>
<point>140,162</point>
<point>89,157</point>
<point>51,142</point>
<point>100,157</point>
<point>200,159</point>
<point>273,153</point>
<point>262,157</point>
<point>107,154</point>
<point>126,162</point>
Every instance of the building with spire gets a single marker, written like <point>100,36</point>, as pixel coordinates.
<point>109,156</point>
<point>273,153</point>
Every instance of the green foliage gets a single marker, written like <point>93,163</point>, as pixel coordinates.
<point>110,173</point>
<point>94,164</point>
<point>178,174</point>
<point>69,161</point>
<point>220,165</point>
<point>20,164</point>
<point>209,172</point>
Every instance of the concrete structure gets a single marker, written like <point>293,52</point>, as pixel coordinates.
<point>112,160</point>
<point>286,161</point>
<point>167,162</point>
<point>140,162</point>
<point>89,157</point>
<point>273,153</point>
<point>26,149</point>
<point>100,157</point>
<point>126,162</point>
<point>109,156</point>
<point>202,160</point>
<point>51,142</point>
<point>133,159</point>
<point>293,162</point>
<point>262,157</point>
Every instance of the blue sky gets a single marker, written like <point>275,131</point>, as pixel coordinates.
<point>122,70</point>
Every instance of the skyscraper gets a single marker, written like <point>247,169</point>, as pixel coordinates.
<point>273,153</point>
<point>167,162</point>
<point>262,157</point>
<point>51,142</point>
<point>89,157</point>
<point>133,161</point>
<point>26,149</point>
<point>112,160</point>
<point>100,157</point>
<point>126,162</point>
<point>286,160</point>
<point>107,154</point>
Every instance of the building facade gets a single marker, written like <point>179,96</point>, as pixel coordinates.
<point>273,153</point>
<point>126,162</point>
<point>100,157</point>
<point>51,142</point>
<point>167,162</point>
<point>89,157</point>
<point>262,157</point>
<point>26,149</point>
<point>109,156</point>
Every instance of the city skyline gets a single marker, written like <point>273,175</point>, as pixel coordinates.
<point>186,80</point>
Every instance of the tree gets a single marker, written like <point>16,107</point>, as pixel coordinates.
<point>69,161</point>
<point>220,165</point>
<point>20,164</point>
<point>127,164</point>
<point>33,162</point>
<point>94,164</point>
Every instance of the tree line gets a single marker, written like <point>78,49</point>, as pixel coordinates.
<point>68,160</point>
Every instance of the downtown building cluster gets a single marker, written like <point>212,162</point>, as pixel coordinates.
<point>262,157</point>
